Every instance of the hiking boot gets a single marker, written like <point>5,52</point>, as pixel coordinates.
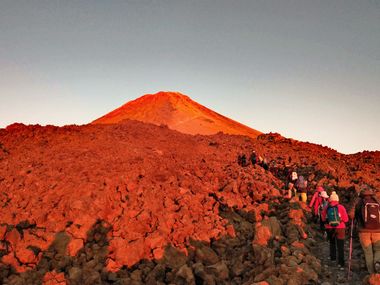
<point>341,267</point>
<point>377,267</point>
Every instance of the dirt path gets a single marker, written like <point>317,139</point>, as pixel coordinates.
<point>331,273</point>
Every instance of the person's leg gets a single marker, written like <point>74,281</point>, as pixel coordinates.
<point>365,241</point>
<point>340,235</point>
<point>303,197</point>
<point>376,250</point>
<point>331,238</point>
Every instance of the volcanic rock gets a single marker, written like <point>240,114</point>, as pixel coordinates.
<point>136,203</point>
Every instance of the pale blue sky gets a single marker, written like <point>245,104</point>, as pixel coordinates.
<point>309,70</point>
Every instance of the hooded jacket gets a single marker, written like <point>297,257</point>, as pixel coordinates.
<point>316,200</point>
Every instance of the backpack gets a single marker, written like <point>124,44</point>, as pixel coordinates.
<point>371,213</point>
<point>301,183</point>
<point>332,216</point>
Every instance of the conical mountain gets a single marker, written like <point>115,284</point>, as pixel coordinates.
<point>179,113</point>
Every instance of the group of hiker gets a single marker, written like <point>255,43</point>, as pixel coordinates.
<point>297,186</point>
<point>333,216</point>
<point>254,159</point>
<point>364,213</point>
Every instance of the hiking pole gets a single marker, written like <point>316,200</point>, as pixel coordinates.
<point>350,253</point>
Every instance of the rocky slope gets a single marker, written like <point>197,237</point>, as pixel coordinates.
<point>135,203</point>
<point>179,113</point>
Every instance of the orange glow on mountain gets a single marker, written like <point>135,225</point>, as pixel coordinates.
<point>179,113</point>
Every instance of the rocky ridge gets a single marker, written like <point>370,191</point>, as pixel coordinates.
<point>135,203</point>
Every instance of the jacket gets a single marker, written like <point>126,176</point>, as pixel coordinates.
<point>315,202</point>
<point>342,214</point>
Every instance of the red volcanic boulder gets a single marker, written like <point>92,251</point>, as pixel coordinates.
<point>262,234</point>
<point>374,279</point>
<point>131,203</point>
<point>54,278</point>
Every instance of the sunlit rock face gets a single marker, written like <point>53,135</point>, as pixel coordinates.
<point>134,202</point>
<point>179,113</point>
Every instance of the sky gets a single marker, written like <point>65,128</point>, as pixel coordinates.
<point>307,69</point>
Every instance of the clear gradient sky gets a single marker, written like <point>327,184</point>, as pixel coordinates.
<point>307,69</point>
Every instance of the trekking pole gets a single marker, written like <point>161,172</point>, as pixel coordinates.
<point>350,253</point>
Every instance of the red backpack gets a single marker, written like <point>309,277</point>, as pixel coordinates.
<point>371,213</point>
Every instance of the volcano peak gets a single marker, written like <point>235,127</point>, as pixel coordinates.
<point>177,111</point>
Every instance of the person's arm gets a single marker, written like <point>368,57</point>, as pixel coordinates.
<point>313,199</point>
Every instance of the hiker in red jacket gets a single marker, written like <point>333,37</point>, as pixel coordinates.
<point>319,201</point>
<point>316,200</point>
<point>366,211</point>
<point>335,216</point>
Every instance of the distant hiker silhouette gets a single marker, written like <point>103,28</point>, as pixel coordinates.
<point>366,211</point>
<point>253,158</point>
<point>335,216</point>
<point>242,160</point>
<point>265,164</point>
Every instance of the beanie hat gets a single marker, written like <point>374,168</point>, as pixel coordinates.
<point>334,197</point>
<point>324,194</point>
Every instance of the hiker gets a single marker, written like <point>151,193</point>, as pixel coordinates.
<point>253,157</point>
<point>335,216</point>
<point>302,189</point>
<point>324,203</point>
<point>318,202</point>
<point>265,164</point>
<point>366,211</point>
<point>239,159</point>
<point>291,183</point>
<point>243,160</point>
<point>291,190</point>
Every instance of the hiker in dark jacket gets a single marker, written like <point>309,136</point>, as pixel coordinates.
<point>253,158</point>
<point>265,164</point>
<point>366,211</point>
<point>335,216</point>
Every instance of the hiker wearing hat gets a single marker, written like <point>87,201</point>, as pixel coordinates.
<point>318,203</point>
<point>316,200</point>
<point>335,216</point>
<point>366,211</point>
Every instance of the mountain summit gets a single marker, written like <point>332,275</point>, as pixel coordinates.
<point>179,113</point>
